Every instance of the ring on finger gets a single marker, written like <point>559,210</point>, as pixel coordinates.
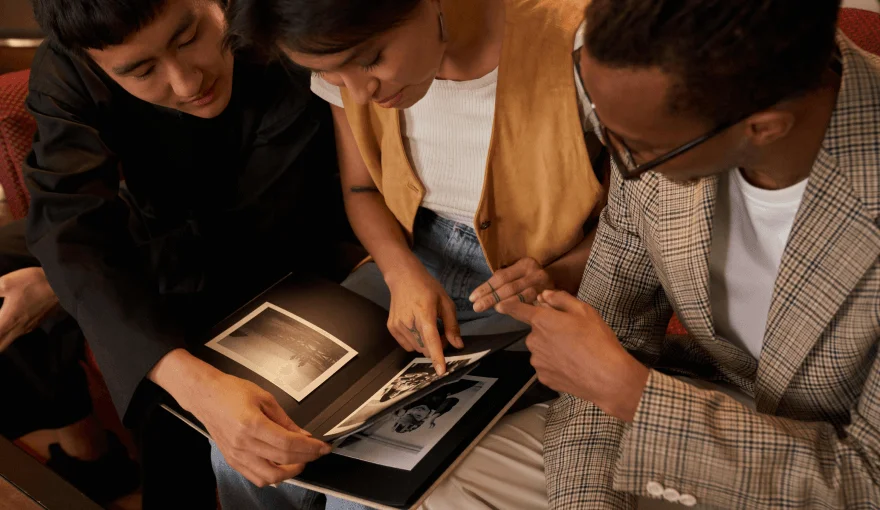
<point>494,293</point>
<point>522,299</point>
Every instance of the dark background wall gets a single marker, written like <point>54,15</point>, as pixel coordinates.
<point>17,27</point>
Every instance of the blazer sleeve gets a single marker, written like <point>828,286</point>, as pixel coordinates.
<point>620,280</point>
<point>78,229</point>
<point>727,455</point>
<point>581,441</point>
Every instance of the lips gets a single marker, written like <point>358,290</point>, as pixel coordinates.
<point>390,101</point>
<point>205,97</point>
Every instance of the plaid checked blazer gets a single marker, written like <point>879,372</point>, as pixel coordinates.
<point>814,441</point>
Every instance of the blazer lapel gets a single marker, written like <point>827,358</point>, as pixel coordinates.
<point>834,241</point>
<point>685,235</point>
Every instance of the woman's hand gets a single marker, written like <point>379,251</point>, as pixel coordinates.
<point>524,281</point>
<point>417,301</point>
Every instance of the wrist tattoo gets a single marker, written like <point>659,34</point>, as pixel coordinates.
<point>364,189</point>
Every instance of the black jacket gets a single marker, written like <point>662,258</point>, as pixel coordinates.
<point>207,205</point>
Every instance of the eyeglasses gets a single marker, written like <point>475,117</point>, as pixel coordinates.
<point>620,153</point>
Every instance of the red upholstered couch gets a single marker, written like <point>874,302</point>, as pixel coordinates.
<point>16,133</point>
<point>17,129</point>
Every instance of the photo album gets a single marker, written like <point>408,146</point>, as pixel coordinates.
<point>326,355</point>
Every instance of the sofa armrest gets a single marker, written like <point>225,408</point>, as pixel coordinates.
<point>17,129</point>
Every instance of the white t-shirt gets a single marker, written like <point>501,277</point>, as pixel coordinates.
<point>447,136</point>
<point>751,229</point>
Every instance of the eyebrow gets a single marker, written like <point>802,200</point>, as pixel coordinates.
<point>128,68</point>
<point>354,54</point>
<point>185,23</point>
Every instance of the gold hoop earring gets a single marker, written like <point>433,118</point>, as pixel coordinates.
<point>444,36</point>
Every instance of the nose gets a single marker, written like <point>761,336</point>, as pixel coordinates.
<point>185,81</point>
<point>362,87</point>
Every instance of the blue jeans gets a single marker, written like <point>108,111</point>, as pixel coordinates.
<point>237,493</point>
<point>452,254</point>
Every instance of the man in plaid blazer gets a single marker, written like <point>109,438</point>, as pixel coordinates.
<point>704,106</point>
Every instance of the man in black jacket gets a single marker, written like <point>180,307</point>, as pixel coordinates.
<point>171,180</point>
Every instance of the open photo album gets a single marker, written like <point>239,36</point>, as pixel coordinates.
<point>396,427</point>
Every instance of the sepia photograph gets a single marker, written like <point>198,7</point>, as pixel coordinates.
<point>417,375</point>
<point>292,353</point>
<point>400,440</point>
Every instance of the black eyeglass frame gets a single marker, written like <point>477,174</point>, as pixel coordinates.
<point>629,169</point>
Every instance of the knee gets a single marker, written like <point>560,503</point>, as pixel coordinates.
<point>368,282</point>
<point>223,472</point>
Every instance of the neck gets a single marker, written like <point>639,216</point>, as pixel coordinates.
<point>475,31</point>
<point>790,160</point>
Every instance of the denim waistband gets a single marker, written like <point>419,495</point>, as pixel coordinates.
<point>452,254</point>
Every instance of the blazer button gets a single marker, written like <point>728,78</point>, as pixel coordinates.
<point>671,495</point>
<point>485,225</point>
<point>687,500</point>
<point>654,489</point>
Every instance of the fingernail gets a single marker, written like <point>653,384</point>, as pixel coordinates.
<point>439,368</point>
<point>472,298</point>
<point>460,341</point>
<point>326,449</point>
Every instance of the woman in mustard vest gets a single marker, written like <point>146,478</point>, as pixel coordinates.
<point>463,157</point>
<point>462,152</point>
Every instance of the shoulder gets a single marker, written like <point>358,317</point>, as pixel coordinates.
<point>66,79</point>
<point>556,17</point>
<point>853,136</point>
<point>327,91</point>
<point>276,93</point>
<point>266,83</point>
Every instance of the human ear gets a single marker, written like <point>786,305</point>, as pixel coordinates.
<point>767,127</point>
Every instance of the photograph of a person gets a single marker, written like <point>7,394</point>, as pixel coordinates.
<point>403,438</point>
<point>292,353</point>
<point>417,375</point>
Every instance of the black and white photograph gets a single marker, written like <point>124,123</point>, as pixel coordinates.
<point>402,439</point>
<point>417,375</point>
<point>292,353</point>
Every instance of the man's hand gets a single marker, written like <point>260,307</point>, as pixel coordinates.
<point>27,300</point>
<point>522,282</point>
<point>253,432</point>
<point>574,351</point>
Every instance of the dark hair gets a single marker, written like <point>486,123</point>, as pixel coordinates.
<point>317,27</point>
<point>94,24</point>
<point>730,58</point>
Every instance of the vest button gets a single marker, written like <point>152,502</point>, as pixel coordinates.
<point>485,225</point>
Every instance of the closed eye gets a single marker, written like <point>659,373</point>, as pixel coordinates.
<point>191,40</point>
<point>374,64</point>
<point>146,74</point>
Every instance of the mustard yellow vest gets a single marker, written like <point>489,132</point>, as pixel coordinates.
<point>539,188</point>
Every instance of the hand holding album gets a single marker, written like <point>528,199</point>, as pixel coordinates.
<point>253,432</point>
<point>310,355</point>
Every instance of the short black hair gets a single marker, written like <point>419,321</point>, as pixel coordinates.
<point>729,58</point>
<point>318,27</point>
<point>79,25</point>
